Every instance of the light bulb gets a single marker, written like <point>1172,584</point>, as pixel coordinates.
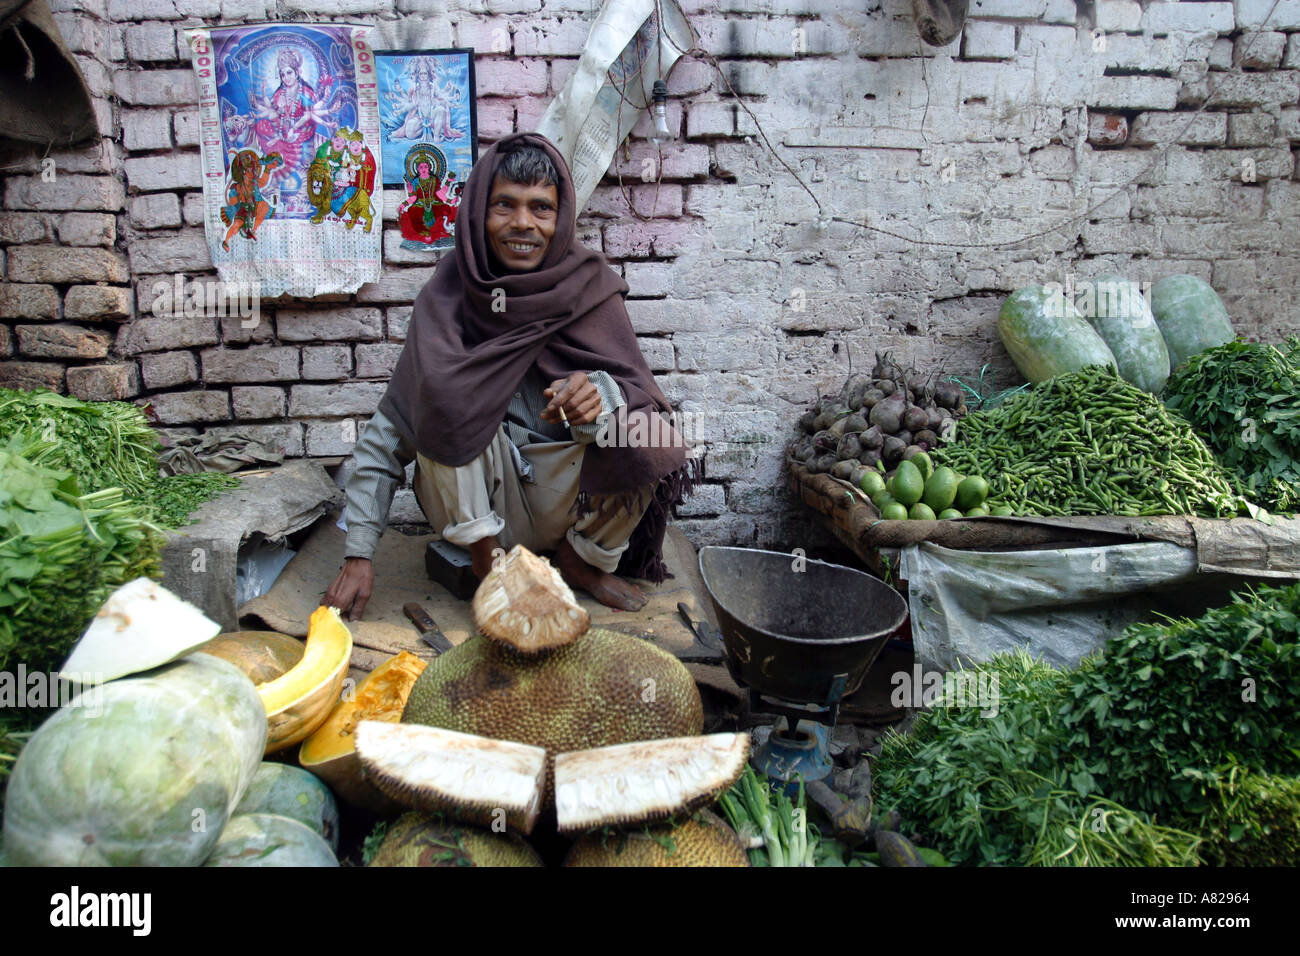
<point>659,112</point>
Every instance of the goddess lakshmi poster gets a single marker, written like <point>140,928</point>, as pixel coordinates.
<point>429,138</point>
<point>291,158</point>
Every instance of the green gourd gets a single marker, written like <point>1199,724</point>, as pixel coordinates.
<point>1046,336</point>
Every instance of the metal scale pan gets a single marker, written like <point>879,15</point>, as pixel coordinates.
<point>800,635</point>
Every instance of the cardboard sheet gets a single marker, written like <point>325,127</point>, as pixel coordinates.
<point>400,577</point>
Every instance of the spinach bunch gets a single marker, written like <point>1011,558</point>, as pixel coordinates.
<point>103,444</point>
<point>1006,790</point>
<point>1168,703</point>
<point>107,445</point>
<point>61,554</point>
<point>1243,399</point>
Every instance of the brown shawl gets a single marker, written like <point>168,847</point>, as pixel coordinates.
<point>463,360</point>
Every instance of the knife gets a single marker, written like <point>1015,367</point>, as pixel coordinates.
<point>708,643</point>
<point>427,627</point>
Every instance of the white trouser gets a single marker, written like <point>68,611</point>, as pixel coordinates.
<point>487,496</point>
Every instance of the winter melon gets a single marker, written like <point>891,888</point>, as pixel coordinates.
<point>1115,307</point>
<point>1046,336</point>
<point>288,791</point>
<point>1190,315</point>
<point>142,771</point>
<point>264,839</point>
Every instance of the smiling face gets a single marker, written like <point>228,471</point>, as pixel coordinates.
<point>337,142</point>
<point>355,146</point>
<point>289,77</point>
<point>520,223</point>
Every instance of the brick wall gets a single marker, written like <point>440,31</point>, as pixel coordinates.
<point>745,309</point>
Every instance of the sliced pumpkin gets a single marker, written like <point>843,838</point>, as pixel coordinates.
<point>299,701</point>
<point>262,655</point>
<point>331,753</point>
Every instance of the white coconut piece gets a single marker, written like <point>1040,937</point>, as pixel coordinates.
<point>477,779</point>
<point>645,781</point>
<point>524,602</point>
<point>141,626</point>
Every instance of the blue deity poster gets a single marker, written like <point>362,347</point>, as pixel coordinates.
<point>428,138</point>
<point>291,160</point>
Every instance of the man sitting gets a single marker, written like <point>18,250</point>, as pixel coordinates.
<point>517,350</point>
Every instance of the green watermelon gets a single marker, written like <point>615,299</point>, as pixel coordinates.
<point>288,791</point>
<point>141,771</point>
<point>264,839</point>
<point>1115,307</point>
<point>1046,336</point>
<point>1190,315</point>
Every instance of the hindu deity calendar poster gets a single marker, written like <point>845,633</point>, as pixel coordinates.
<point>292,169</point>
<point>429,138</point>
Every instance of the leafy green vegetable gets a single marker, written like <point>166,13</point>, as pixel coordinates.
<point>61,554</point>
<point>107,445</point>
<point>1179,743</point>
<point>103,444</point>
<point>176,497</point>
<point>373,841</point>
<point>1169,702</point>
<point>754,808</point>
<point>1002,790</point>
<point>1243,398</point>
<point>1255,819</point>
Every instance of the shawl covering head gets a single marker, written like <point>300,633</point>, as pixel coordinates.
<point>474,334</point>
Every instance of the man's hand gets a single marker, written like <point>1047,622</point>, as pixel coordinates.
<point>351,589</point>
<point>577,396</point>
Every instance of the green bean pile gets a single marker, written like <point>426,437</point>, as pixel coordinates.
<point>1089,443</point>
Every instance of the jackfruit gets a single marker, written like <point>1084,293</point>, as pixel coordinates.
<point>605,688</point>
<point>421,839</point>
<point>477,779</point>
<point>701,840</point>
<point>524,603</point>
<point>645,781</point>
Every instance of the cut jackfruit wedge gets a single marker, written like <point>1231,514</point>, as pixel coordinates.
<point>645,781</point>
<point>523,602</point>
<point>476,779</point>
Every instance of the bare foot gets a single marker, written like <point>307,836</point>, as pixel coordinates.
<point>480,553</point>
<point>603,586</point>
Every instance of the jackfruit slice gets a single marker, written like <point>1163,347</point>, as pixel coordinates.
<point>645,781</point>
<point>523,602</point>
<point>607,688</point>
<point>471,778</point>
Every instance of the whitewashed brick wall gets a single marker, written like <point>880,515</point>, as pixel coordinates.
<point>1038,112</point>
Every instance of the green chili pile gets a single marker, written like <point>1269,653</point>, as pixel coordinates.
<point>1089,443</point>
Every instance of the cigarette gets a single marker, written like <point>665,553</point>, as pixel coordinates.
<point>563,417</point>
